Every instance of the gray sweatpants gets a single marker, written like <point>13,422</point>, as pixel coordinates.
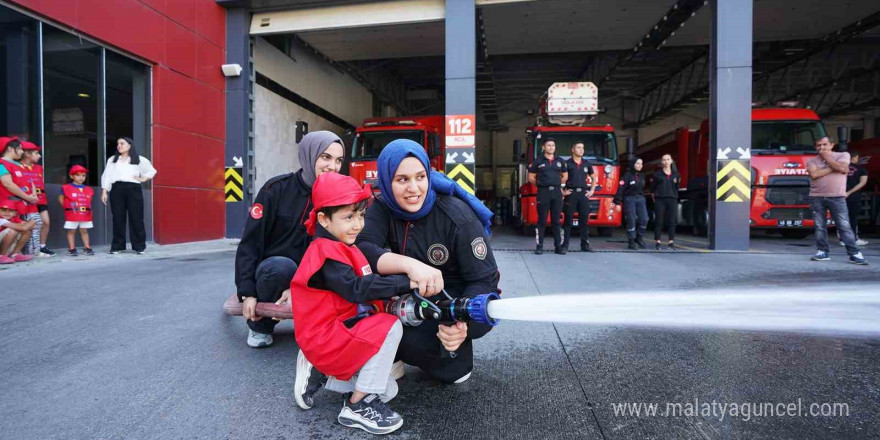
<point>375,376</point>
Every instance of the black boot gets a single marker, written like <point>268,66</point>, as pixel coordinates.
<point>539,250</point>
<point>560,250</point>
<point>641,243</point>
<point>657,246</point>
<point>631,245</point>
<point>585,247</point>
<point>671,246</point>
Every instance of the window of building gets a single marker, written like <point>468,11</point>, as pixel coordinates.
<point>19,80</point>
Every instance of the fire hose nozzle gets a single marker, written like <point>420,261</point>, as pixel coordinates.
<point>477,309</point>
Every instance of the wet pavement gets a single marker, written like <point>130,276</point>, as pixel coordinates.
<point>138,347</point>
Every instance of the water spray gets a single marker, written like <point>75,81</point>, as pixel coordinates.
<point>412,309</point>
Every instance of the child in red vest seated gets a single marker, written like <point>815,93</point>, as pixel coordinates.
<point>341,328</point>
<point>76,199</point>
<point>14,233</point>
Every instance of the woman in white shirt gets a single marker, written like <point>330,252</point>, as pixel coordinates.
<point>122,179</point>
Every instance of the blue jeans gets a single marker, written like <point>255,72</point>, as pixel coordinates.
<point>839,213</point>
<point>273,277</point>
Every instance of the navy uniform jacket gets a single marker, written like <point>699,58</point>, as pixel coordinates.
<point>549,172</point>
<point>450,238</point>
<point>632,184</point>
<point>577,173</point>
<point>275,228</point>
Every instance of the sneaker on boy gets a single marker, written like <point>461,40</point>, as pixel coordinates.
<point>370,414</point>
<point>308,381</point>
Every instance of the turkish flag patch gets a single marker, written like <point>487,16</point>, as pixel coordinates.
<point>256,211</point>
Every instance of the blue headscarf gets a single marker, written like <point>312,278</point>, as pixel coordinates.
<point>398,150</point>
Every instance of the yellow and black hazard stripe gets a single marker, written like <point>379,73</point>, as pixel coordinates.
<point>234,185</point>
<point>462,175</point>
<point>734,181</point>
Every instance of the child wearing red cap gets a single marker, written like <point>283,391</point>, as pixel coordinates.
<point>76,199</point>
<point>341,327</point>
<point>14,233</point>
<point>39,212</point>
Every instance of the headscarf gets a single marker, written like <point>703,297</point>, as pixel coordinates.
<point>332,189</point>
<point>311,146</point>
<point>398,150</point>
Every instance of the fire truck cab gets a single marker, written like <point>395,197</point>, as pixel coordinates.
<point>375,133</point>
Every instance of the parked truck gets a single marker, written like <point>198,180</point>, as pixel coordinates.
<point>564,110</point>
<point>782,141</point>
<point>375,133</point>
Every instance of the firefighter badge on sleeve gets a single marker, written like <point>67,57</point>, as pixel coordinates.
<point>438,255</point>
<point>479,248</point>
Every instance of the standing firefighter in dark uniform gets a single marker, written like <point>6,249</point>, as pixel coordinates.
<point>549,173</point>
<point>631,193</point>
<point>579,189</point>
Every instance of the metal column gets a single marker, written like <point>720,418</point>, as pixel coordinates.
<point>730,132</point>
<point>239,167</point>
<point>461,48</point>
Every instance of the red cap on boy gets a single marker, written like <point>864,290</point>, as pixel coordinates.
<point>333,189</point>
<point>76,169</point>
<point>27,145</point>
<point>9,204</point>
<point>6,140</point>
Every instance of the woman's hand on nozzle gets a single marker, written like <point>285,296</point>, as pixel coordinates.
<point>428,280</point>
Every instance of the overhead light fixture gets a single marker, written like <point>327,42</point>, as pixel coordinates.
<point>82,95</point>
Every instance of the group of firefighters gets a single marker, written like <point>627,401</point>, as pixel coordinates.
<point>567,185</point>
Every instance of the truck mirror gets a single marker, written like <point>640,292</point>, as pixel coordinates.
<point>302,129</point>
<point>630,148</point>
<point>517,149</point>
<point>841,138</point>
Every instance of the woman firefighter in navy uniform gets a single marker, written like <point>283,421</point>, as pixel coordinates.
<point>438,235</point>
<point>631,193</point>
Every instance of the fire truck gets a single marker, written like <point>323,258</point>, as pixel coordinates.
<point>869,157</point>
<point>564,110</point>
<point>375,133</point>
<point>782,141</point>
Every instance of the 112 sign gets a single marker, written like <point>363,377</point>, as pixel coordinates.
<point>460,131</point>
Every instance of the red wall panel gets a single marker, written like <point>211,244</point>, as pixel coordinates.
<point>186,42</point>
<point>180,49</point>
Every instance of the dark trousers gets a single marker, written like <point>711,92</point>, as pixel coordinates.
<point>853,206</point>
<point>579,203</point>
<point>665,213</point>
<point>127,204</point>
<point>421,347</point>
<point>273,277</point>
<point>837,205</point>
<point>549,200</point>
<point>636,213</point>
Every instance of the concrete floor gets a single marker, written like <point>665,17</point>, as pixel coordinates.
<point>138,347</point>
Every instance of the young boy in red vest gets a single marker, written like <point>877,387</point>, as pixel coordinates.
<point>14,233</point>
<point>76,199</point>
<point>341,328</point>
<point>39,212</point>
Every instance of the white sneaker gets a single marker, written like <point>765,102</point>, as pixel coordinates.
<point>398,370</point>
<point>258,340</point>
<point>861,242</point>
<point>842,243</point>
<point>463,379</point>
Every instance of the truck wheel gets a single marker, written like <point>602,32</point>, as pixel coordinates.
<point>606,232</point>
<point>795,233</point>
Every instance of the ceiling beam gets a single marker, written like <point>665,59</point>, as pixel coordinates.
<point>600,69</point>
<point>766,64</point>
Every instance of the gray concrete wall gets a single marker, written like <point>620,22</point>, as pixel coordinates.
<point>305,74</point>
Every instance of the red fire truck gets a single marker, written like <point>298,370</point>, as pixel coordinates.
<point>782,141</point>
<point>564,109</point>
<point>869,157</point>
<point>375,133</point>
